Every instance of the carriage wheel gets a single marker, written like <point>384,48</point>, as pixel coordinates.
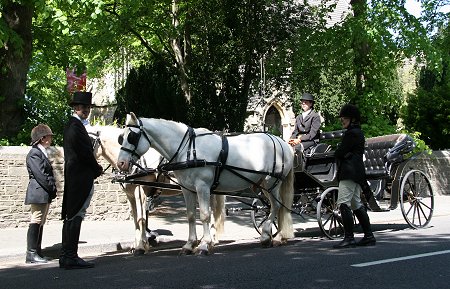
<point>260,214</point>
<point>328,215</point>
<point>416,199</point>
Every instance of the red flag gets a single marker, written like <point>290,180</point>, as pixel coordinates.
<point>75,82</point>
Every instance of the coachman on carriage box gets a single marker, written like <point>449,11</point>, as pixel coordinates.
<point>80,170</point>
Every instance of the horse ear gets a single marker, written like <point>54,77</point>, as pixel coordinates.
<point>133,117</point>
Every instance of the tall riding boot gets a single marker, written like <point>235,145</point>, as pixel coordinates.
<point>32,241</point>
<point>71,260</point>
<point>39,242</point>
<point>347,221</point>
<point>64,242</point>
<point>363,218</point>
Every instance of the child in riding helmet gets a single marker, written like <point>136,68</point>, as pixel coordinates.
<point>351,173</point>
<point>41,190</point>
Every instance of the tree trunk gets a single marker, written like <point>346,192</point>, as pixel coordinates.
<point>360,46</point>
<point>181,55</point>
<point>15,57</point>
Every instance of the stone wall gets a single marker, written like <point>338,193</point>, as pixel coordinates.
<point>110,203</point>
<point>437,167</point>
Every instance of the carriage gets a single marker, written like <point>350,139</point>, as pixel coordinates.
<point>392,180</point>
<point>391,177</point>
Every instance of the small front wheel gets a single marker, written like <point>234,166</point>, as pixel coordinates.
<point>328,214</point>
<point>416,199</point>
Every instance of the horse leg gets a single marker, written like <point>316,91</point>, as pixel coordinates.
<point>141,233</point>
<point>206,243</point>
<point>189,198</point>
<point>136,210</point>
<point>266,231</point>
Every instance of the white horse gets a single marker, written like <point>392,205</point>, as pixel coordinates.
<point>106,145</point>
<point>203,162</point>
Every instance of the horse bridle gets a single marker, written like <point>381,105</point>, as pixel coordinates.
<point>96,142</point>
<point>95,139</point>
<point>133,138</point>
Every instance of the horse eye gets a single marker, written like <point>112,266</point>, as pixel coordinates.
<point>120,139</point>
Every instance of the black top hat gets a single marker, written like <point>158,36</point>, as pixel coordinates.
<point>81,97</point>
<point>307,96</point>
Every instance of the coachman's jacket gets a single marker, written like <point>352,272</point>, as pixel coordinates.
<point>349,155</point>
<point>80,167</point>
<point>307,128</point>
<point>41,187</point>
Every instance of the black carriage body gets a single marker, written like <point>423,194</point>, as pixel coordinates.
<point>390,174</point>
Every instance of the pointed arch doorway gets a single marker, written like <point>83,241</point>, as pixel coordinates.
<point>272,122</point>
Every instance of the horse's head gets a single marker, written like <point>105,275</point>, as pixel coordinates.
<point>134,141</point>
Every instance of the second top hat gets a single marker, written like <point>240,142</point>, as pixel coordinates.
<point>81,97</point>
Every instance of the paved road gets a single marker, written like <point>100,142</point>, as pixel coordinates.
<point>402,258</point>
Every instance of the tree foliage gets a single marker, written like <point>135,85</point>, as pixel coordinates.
<point>428,109</point>
<point>208,52</point>
<point>152,90</point>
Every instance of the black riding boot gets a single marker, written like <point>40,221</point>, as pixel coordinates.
<point>347,221</point>
<point>363,218</point>
<point>71,260</point>
<point>39,242</point>
<point>65,237</point>
<point>32,242</point>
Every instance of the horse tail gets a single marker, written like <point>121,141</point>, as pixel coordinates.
<point>218,207</point>
<point>287,198</point>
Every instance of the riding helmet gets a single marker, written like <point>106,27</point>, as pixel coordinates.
<point>350,111</point>
<point>39,132</point>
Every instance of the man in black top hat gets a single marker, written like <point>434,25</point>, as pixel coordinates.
<point>80,170</point>
<point>307,125</point>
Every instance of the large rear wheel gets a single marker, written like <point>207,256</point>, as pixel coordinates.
<point>328,215</point>
<point>416,199</point>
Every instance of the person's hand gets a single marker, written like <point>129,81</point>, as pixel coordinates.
<point>294,142</point>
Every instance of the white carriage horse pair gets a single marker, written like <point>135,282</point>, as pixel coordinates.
<point>203,165</point>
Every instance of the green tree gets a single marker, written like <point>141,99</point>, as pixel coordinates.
<point>152,90</point>
<point>428,109</point>
<point>15,56</point>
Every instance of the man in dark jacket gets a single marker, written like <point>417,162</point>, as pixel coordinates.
<point>351,173</point>
<point>80,170</point>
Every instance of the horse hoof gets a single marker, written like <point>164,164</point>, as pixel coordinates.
<point>139,252</point>
<point>266,244</point>
<point>202,253</point>
<point>185,252</point>
<point>277,243</point>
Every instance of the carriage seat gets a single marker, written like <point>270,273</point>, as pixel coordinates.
<point>320,160</point>
<point>378,152</point>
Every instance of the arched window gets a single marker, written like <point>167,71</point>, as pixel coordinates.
<point>272,122</point>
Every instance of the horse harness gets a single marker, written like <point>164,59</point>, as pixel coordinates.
<point>220,165</point>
